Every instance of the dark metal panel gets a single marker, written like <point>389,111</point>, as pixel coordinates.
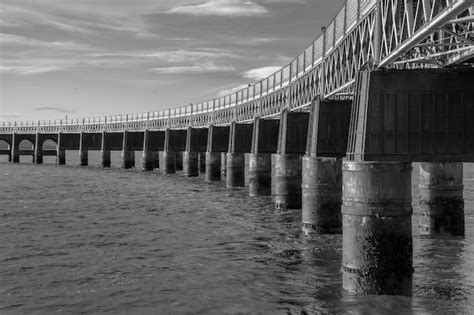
<point>70,141</point>
<point>218,139</point>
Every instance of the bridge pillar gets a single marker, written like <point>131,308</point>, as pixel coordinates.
<point>377,234</point>
<point>83,153</point>
<point>288,168</point>
<point>38,155</point>
<point>202,162</point>
<point>128,155</point>
<point>441,199</point>
<point>264,143</point>
<point>105,159</point>
<point>196,140</point>
<point>156,159</point>
<point>218,138</point>
<point>179,160</point>
<point>15,154</point>
<point>322,166</point>
<point>223,164</point>
<point>240,142</point>
<point>60,153</point>
<point>147,155</point>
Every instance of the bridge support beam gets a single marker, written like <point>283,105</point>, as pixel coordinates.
<point>223,164</point>
<point>175,141</point>
<point>105,160</point>
<point>147,155</point>
<point>38,155</point>
<point>377,234</point>
<point>322,166</point>
<point>264,143</point>
<point>60,153</point>
<point>240,142</point>
<point>15,154</point>
<point>441,199</point>
<point>190,164</point>
<point>291,146</point>
<point>128,155</point>
<point>217,142</point>
<point>83,153</point>
<point>169,162</point>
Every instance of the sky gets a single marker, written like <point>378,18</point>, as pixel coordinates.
<point>87,58</point>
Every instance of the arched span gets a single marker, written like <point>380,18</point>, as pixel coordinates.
<point>49,144</point>
<point>26,144</point>
<point>5,145</point>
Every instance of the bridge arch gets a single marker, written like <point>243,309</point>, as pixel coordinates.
<point>49,144</point>
<point>26,144</point>
<point>5,144</point>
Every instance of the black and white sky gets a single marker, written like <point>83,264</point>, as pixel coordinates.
<point>84,58</point>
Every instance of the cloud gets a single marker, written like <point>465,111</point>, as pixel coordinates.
<point>231,90</point>
<point>260,73</point>
<point>196,68</point>
<point>221,8</point>
<point>28,70</point>
<point>53,109</point>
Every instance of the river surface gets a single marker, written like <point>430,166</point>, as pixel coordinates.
<point>89,240</point>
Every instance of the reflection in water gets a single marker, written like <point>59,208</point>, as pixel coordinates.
<point>115,240</point>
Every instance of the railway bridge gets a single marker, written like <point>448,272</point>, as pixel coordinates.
<point>334,133</point>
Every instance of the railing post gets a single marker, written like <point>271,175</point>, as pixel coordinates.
<point>378,32</point>
<point>345,19</point>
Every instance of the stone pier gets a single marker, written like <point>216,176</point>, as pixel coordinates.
<point>240,142</point>
<point>128,155</point>
<point>264,143</point>
<point>196,142</point>
<point>175,140</point>
<point>217,142</point>
<point>105,159</point>
<point>38,155</point>
<point>83,153</point>
<point>291,146</point>
<point>147,154</point>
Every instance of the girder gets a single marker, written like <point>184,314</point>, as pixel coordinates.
<point>385,33</point>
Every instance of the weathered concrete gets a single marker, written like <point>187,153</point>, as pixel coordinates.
<point>190,164</point>
<point>223,164</point>
<point>196,141</point>
<point>15,153</point>
<point>213,166</point>
<point>441,199</point>
<point>147,153</point>
<point>235,170</point>
<point>156,159</point>
<point>83,153</point>
<point>260,174</point>
<point>38,156</point>
<point>60,152</point>
<point>377,233</point>
<point>169,162</point>
<point>202,162</point>
<point>179,160</point>
<point>291,146</point>
<point>105,159</point>
<point>322,195</point>
<point>217,142</point>
<point>175,141</point>
<point>264,143</point>
<point>128,155</point>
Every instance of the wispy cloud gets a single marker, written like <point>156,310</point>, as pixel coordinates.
<point>53,109</point>
<point>221,8</point>
<point>197,68</point>
<point>231,90</point>
<point>260,73</point>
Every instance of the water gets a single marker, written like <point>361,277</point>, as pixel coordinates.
<point>88,240</point>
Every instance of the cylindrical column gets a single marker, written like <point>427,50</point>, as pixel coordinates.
<point>213,166</point>
<point>60,157</point>
<point>105,160</point>
<point>260,170</point>
<point>169,162</point>
<point>128,159</point>
<point>202,162</point>
<point>38,156</point>
<point>441,199</point>
<point>148,160</point>
<point>287,181</point>
<point>179,160</point>
<point>156,160</point>
<point>190,164</point>
<point>377,245</point>
<point>235,176</point>
<point>83,153</point>
<point>223,164</point>
<point>322,195</point>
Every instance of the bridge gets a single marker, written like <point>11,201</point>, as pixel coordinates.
<point>334,133</point>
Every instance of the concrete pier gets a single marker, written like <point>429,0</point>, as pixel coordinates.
<point>223,164</point>
<point>179,160</point>
<point>83,153</point>
<point>291,146</point>
<point>264,143</point>
<point>38,155</point>
<point>196,141</point>
<point>213,166</point>
<point>60,152</point>
<point>441,199</point>
<point>156,159</point>
<point>190,164</point>
<point>105,159</point>
<point>240,142</point>
<point>322,195</point>
<point>217,142</point>
<point>147,154</point>
<point>169,162</point>
<point>377,234</point>
<point>128,155</point>
<point>202,162</point>
<point>322,166</point>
